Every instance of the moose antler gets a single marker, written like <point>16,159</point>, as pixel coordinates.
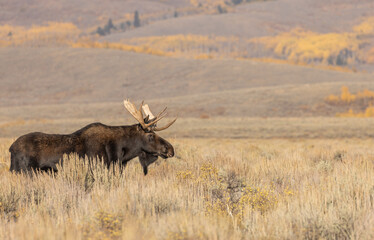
<point>164,127</point>
<point>138,115</point>
<point>148,112</point>
<point>162,114</point>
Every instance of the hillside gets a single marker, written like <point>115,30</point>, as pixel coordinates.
<point>84,13</point>
<point>260,59</point>
<point>255,18</point>
<point>338,34</point>
<point>46,76</point>
<point>262,19</point>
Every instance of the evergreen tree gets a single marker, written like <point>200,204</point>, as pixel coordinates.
<point>100,31</point>
<point>109,26</point>
<point>136,19</point>
<point>220,9</point>
<point>235,2</point>
<point>123,25</point>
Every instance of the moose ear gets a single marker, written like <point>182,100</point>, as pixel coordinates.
<point>146,119</point>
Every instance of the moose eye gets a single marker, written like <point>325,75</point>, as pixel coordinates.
<point>151,137</point>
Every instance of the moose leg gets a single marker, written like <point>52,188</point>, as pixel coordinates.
<point>19,162</point>
<point>49,169</point>
<point>14,166</point>
<point>122,165</point>
<point>111,155</point>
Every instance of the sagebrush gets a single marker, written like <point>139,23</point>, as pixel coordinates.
<point>212,189</point>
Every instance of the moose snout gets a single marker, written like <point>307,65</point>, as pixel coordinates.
<point>169,151</point>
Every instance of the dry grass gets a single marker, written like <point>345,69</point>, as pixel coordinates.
<point>212,189</point>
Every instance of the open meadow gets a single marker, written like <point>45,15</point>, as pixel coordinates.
<point>214,188</point>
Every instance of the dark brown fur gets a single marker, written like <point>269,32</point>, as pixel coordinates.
<point>111,143</point>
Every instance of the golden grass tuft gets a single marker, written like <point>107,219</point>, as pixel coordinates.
<point>365,27</point>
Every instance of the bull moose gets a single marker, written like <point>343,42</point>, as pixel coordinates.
<point>111,143</point>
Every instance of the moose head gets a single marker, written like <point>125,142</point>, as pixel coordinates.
<point>152,145</point>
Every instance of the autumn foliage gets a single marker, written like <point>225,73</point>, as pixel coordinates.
<point>87,43</point>
<point>301,45</point>
<point>52,34</point>
<point>360,104</point>
<point>338,49</point>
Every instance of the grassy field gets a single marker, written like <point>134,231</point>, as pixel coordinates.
<point>212,189</point>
